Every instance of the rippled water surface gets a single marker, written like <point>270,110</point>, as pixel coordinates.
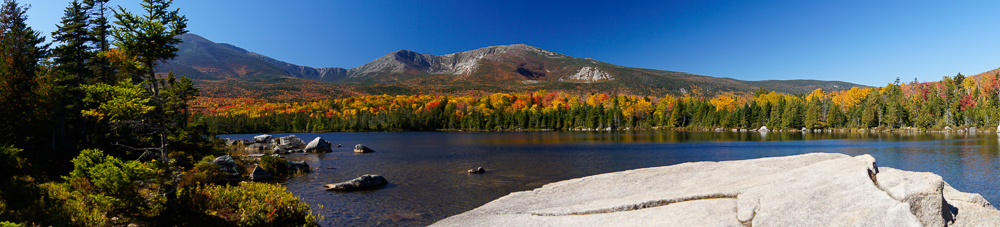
<point>428,180</point>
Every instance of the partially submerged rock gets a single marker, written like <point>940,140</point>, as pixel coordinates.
<point>367,181</point>
<point>281,149</point>
<point>228,166</point>
<point>232,142</point>
<point>259,174</point>
<point>477,170</point>
<point>361,148</point>
<point>318,145</point>
<point>258,147</point>
<point>291,141</point>
<point>295,166</point>
<point>262,138</point>
<point>803,190</point>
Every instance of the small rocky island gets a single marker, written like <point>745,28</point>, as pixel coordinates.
<point>818,189</point>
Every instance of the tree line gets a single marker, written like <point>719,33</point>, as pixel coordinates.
<point>957,101</point>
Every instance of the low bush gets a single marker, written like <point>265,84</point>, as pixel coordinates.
<point>101,187</point>
<point>204,172</point>
<point>247,204</point>
<point>274,165</point>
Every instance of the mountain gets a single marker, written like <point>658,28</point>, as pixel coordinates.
<point>507,68</point>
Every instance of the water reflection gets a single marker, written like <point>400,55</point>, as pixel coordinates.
<point>428,182</point>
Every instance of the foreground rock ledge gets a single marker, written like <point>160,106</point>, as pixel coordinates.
<point>816,189</point>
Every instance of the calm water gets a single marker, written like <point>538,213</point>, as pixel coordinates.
<point>428,182</point>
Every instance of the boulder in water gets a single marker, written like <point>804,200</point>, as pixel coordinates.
<point>367,181</point>
<point>318,145</point>
<point>294,166</point>
<point>228,165</point>
<point>281,149</point>
<point>361,148</point>
<point>262,138</point>
<point>232,142</point>
<point>477,170</point>
<point>291,141</point>
<point>258,147</point>
<point>259,174</point>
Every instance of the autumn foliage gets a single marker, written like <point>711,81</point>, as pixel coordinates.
<point>953,101</point>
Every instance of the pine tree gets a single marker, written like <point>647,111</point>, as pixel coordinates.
<point>151,39</point>
<point>72,55</point>
<point>20,51</point>
<point>99,31</point>
<point>811,120</point>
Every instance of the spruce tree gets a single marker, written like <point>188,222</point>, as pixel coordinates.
<point>99,32</point>
<point>21,48</point>
<point>152,38</point>
<point>72,54</point>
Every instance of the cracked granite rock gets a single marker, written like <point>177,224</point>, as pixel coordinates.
<point>818,189</point>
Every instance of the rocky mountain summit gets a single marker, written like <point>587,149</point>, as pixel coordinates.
<point>816,189</point>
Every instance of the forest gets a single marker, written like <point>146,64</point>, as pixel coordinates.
<point>957,101</point>
<point>92,136</point>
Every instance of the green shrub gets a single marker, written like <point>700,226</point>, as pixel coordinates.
<point>74,204</point>
<point>102,186</point>
<point>248,204</point>
<point>275,166</point>
<point>9,224</point>
<point>204,172</point>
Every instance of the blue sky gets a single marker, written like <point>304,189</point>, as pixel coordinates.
<point>865,42</point>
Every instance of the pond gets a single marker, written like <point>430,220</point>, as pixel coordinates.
<point>428,180</point>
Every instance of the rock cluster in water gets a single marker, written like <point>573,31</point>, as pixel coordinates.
<point>818,189</point>
<point>286,145</point>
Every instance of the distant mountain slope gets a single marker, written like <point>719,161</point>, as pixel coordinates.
<point>507,68</point>
<point>203,59</point>
<point>994,72</point>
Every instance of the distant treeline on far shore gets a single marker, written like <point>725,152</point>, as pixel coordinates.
<point>952,102</point>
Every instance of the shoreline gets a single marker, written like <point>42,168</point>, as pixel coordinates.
<point>969,130</point>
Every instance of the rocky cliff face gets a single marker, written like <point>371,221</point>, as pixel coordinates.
<point>462,63</point>
<point>589,75</point>
<point>803,190</point>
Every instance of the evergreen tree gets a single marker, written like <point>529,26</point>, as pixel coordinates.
<point>72,55</point>
<point>99,32</point>
<point>812,118</point>
<point>872,109</point>
<point>20,51</point>
<point>151,39</point>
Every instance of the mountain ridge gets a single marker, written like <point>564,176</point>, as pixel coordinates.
<point>502,68</point>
